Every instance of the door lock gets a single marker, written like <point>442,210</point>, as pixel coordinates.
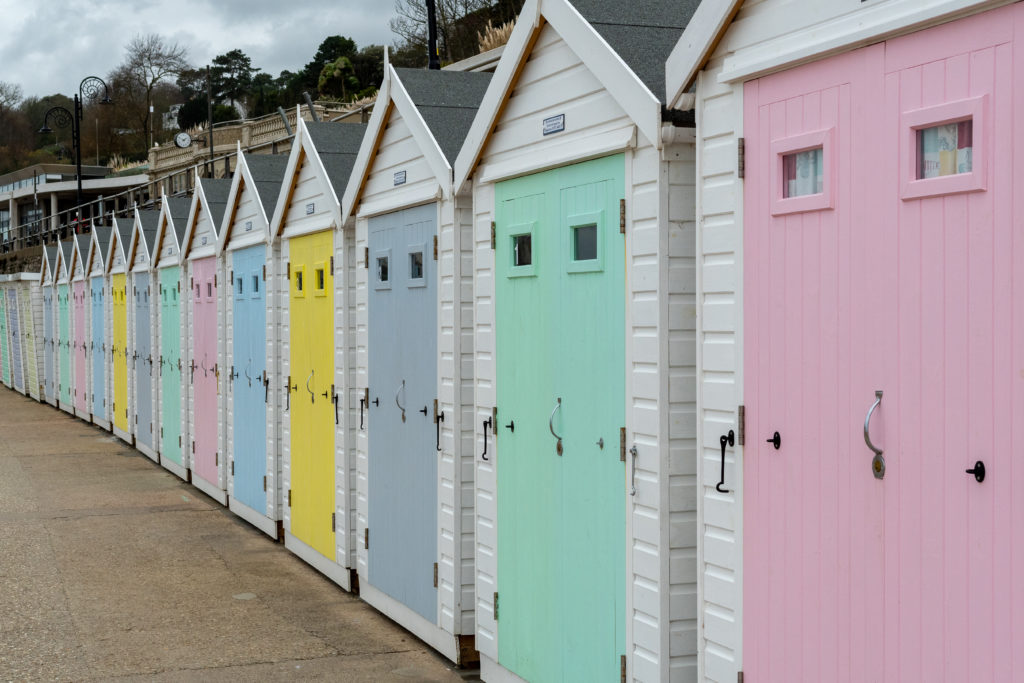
<point>776,441</point>
<point>978,471</point>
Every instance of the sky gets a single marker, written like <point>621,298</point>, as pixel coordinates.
<point>49,46</point>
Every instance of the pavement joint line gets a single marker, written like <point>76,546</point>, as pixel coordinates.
<point>10,518</point>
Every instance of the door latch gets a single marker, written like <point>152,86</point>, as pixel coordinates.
<point>726,440</point>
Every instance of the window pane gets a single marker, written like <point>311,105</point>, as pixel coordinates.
<point>298,280</point>
<point>584,241</point>
<point>382,268</point>
<point>522,250</point>
<point>255,283</point>
<point>239,285</point>
<point>945,150</point>
<point>209,289</point>
<point>416,265</point>
<point>803,173</point>
<point>320,279</point>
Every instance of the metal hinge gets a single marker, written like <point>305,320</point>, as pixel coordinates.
<point>289,497</point>
<point>741,427</point>
<point>264,272</point>
<point>179,437</point>
<point>366,538</point>
<point>435,575</point>
<point>232,276</point>
<point>622,444</point>
<point>288,270</point>
<point>161,432</point>
<point>215,279</point>
<point>495,605</point>
<point>332,265</point>
<point>739,677</point>
<point>366,257</point>
<point>435,247</point>
<point>193,447</point>
<point>264,482</point>
<point>333,523</point>
<point>494,237</point>
<point>232,468</point>
<point>216,459</point>
<point>622,668</point>
<point>136,420</point>
<point>741,157</point>
<point>179,286</point>
<point>622,216</point>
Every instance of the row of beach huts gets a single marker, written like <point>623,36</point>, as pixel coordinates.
<point>681,347</point>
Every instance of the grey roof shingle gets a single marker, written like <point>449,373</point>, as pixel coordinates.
<point>267,174</point>
<point>447,101</point>
<point>102,238</point>
<point>178,208</point>
<point>337,144</point>
<point>65,250</point>
<point>50,254</point>
<point>123,226</point>
<point>149,221</point>
<point>216,191</point>
<point>642,32</point>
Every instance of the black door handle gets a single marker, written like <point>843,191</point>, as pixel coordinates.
<point>511,426</point>
<point>266,388</point>
<point>424,411</point>
<point>776,440</point>
<point>376,401</point>
<point>726,440</point>
<point>978,471</point>
<point>438,421</point>
<point>362,404</point>
<point>334,399</point>
<point>487,425</point>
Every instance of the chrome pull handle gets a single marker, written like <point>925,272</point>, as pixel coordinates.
<point>633,454</point>
<point>551,426</point>
<point>202,364</point>
<point>877,462</point>
<point>247,375</point>
<point>400,406</point>
<point>312,396</point>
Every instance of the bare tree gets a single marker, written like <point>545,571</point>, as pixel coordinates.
<point>10,96</point>
<point>411,23</point>
<point>149,62</point>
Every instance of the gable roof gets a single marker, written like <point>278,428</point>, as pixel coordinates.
<point>438,107</point>
<point>99,239</point>
<point>624,46</point>
<point>78,239</point>
<point>120,234</point>
<point>177,210</point>
<point>695,46</point>
<point>143,233</point>
<point>210,195</point>
<point>49,263</point>
<point>267,175</point>
<point>64,257</point>
<point>332,149</point>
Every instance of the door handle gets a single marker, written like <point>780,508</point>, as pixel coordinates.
<point>247,375</point>
<point>362,404</point>
<point>726,440</point>
<point>203,365</point>
<point>266,388</point>
<point>424,411</point>
<point>877,462</point>
<point>978,471</point>
<point>397,392</point>
<point>551,426</point>
<point>633,454</point>
<point>312,396</point>
<point>334,399</point>
<point>437,423</point>
<point>487,425</point>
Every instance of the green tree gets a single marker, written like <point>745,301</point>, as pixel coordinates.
<point>232,75</point>
<point>329,51</point>
<point>337,79</point>
<point>368,68</point>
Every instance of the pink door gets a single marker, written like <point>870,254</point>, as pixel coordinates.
<point>879,255</point>
<point>81,389</point>
<point>204,298</point>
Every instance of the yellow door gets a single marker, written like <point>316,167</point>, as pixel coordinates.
<point>311,321</point>
<point>120,344</point>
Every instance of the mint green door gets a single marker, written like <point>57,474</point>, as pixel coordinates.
<point>560,316</point>
<point>64,311</point>
<point>170,365</point>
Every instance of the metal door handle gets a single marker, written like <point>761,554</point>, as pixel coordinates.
<point>312,396</point>
<point>633,453</point>
<point>487,424</point>
<point>551,426</point>
<point>362,404</point>
<point>726,440</point>
<point>438,421</point>
<point>978,471</point>
<point>397,392</point>
<point>877,462</point>
<point>203,364</point>
<point>266,388</point>
<point>424,411</point>
<point>247,375</point>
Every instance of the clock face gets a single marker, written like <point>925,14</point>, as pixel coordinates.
<point>183,139</point>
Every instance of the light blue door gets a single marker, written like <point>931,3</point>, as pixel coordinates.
<point>143,360</point>
<point>98,347</point>
<point>249,352</point>
<point>48,343</point>
<point>14,325</point>
<point>403,377</point>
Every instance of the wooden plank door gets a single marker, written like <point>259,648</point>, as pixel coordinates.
<point>204,344</point>
<point>64,355</point>
<point>143,362</point>
<point>560,302</point>
<point>119,348</point>
<point>48,342</point>
<point>311,326</point>
<point>28,325</point>
<point>81,386</point>
<point>249,358</point>
<point>402,487</point>
<point>170,366</point>
<point>99,349</point>
<point>14,322</point>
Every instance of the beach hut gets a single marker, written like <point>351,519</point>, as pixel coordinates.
<point>5,340</point>
<point>204,335</point>
<point>316,348</point>
<point>144,365</point>
<point>120,322</point>
<point>14,327</point>
<point>62,311</point>
<point>99,366</point>
<point>46,269</point>
<point>80,390</point>
<point>415,457</point>
<point>583,317</point>
<point>30,318</point>
<point>172,387</point>
<point>250,315</point>
<point>860,343</point>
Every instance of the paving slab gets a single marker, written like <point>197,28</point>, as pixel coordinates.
<point>111,568</point>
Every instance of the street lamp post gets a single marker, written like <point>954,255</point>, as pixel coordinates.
<point>88,89</point>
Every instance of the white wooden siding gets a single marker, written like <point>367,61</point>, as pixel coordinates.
<point>276,287</point>
<point>398,151</point>
<point>227,298</point>
<point>167,250</point>
<point>281,284</point>
<point>204,235</point>
<point>310,188</point>
<point>344,475</point>
<point>719,196</point>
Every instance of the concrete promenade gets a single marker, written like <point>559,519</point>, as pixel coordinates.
<point>111,568</point>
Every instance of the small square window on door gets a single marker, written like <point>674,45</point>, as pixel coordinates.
<point>944,149</point>
<point>522,254</point>
<point>299,281</point>
<point>320,279</point>
<point>417,277</point>
<point>382,269</point>
<point>255,289</point>
<point>802,172</point>
<point>585,234</point>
